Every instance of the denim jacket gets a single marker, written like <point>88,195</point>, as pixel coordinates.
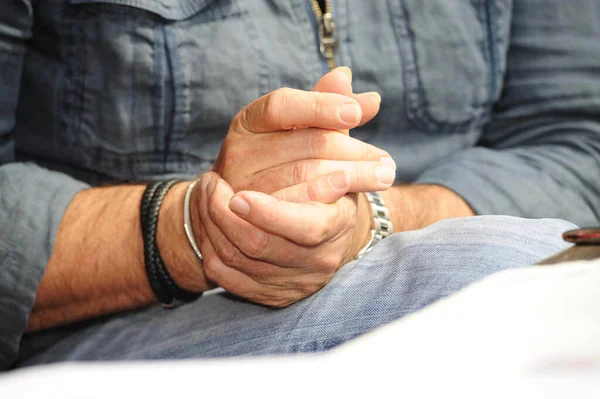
<point>498,100</point>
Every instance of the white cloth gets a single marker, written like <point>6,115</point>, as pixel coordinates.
<point>530,333</point>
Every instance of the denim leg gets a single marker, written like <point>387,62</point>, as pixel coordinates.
<point>404,273</point>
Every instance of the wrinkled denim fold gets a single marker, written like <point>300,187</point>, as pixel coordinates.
<point>403,274</point>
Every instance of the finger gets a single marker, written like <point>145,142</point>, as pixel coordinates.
<point>308,224</point>
<point>340,81</point>
<point>236,240</point>
<point>325,189</point>
<point>286,108</point>
<point>370,103</point>
<point>337,81</point>
<point>364,175</point>
<point>260,277</point>
<point>301,144</point>
<point>212,239</point>
<point>241,284</point>
<point>224,276</point>
<point>244,286</point>
<point>260,152</point>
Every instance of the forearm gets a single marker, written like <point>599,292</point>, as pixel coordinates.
<point>413,207</point>
<point>97,264</point>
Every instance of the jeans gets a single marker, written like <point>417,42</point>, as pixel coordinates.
<point>404,273</point>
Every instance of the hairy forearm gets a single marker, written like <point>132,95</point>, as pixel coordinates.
<point>413,207</point>
<point>97,264</point>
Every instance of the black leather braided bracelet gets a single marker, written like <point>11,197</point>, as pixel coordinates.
<point>163,286</point>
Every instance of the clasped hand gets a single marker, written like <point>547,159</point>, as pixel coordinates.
<point>278,214</point>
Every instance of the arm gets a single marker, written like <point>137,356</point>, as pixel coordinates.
<point>416,206</point>
<point>90,264</point>
<point>97,262</point>
<point>32,200</point>
<point>97,265</point>
<point>540,154</point>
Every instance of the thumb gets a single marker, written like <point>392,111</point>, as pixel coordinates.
<point>339,81</point>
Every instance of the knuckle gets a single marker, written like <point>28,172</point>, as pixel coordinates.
<point>319,143</point>
<point>210,271</point>
<point>226,251</point>
<point>256,246</point>
<point>366,152</point>
<point>312,192</point>
<point>303,171</point>
<point>275,104</point>
<point>359,173</point>
<point>299,172</point>
<point>237,124</point>
<point>244,121</point>
<point>330,263</point>
<point>317,235</point>
<point>310,239</point>
<point>322,230</point>
<point>318,106</point>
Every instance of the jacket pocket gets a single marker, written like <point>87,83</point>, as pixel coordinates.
<point>453,55</point>
<point>152,82</point>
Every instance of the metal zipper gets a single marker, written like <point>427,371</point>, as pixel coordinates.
<point>328,39</point>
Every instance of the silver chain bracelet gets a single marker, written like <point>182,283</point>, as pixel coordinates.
<point>381,218</point>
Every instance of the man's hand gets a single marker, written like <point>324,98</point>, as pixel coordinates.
<point>276,252</point>
<point>288,245</point>
<point>291,136</point>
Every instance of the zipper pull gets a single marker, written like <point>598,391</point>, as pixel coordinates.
<point>328,39</point>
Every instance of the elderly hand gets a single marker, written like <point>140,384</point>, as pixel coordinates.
<point>276,252</point>
<point>290,136</point>
<point>277,249</point>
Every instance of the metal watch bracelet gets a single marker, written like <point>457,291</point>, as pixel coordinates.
<point>382,227</point>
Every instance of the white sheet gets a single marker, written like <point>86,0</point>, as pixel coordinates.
<point>527,333</point>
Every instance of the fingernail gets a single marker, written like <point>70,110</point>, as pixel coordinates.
<point>346,71</point>
<point>350,113</point>
<point>239,206</point>
<point>389,161</point>
<point>374,94</point>
<point>211,186</point>
<point>385,174</point>
<point>339,180</point>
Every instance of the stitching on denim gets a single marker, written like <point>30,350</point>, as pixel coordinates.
<point>75,88</point>
<point>159,111</point>
<point>184,11</point>
<point>491,54</point>
<point>259,52</point>
<point>180,103</point>
<point>415,100</point>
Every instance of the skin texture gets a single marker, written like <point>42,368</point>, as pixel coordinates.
<point>243,213</point>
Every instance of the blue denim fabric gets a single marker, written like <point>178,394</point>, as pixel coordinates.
<point>496,99</point>
<point>405,273</point>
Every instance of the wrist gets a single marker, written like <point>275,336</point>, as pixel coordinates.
<point>414,207</point>
<point>181,262</point>
<point>362,231</point>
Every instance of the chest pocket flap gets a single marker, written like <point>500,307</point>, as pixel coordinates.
<point>175,10</point>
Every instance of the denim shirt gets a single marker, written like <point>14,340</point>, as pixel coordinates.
<point>498,100</point>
